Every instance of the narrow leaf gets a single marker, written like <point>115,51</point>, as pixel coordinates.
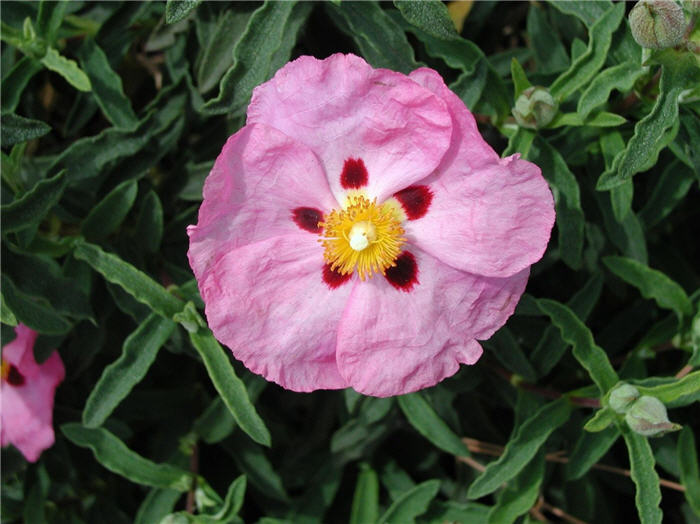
<point>429,15</point>
<point>520,81</point>
<point>68,69</point>
<point>651,284</point>
<point>117,380</point>
<point>135,282</point>
<point>411,504</point>
<point>34,205</point>
<point>16,129</point>
<point>15,80</point>
<point>589,449</point>
<point>600,420</point>
<point>520,450</point>
<point>575,332</point>
<point>645,478</point>
<point>113,454</point>
<point>690,472</point>
<point>109,213</point>
<point>106,86</point>
<point>521,493</point>
<point>230,387</point>
<point>667,393</point>
<point>176,10</point>
<point>365,502</point>
<point>423,418</point>
<point>621,77</point>
<point>35,312</point>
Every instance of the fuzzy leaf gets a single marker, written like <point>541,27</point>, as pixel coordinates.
<point>429,15</point>
<point>17,129</point>
<point>411,504</point>
<point>645,478</point>
<point>68,69</point>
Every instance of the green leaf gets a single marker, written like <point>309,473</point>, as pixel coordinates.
<point>149,225</point>
<point>230,387</point>
<point>521,449</point>
<point>621,77</point>
<point>584,68</point>
<point>669,191</point>
<point>158,503</point>
<point>67,68</point>
<point>135,282</point>
<point>688,463</point>
<point>6,316</point>
<point>651,284</point>
<point>551,346</point>
<point>217,56</point>
<point>667,393</point>
<point>117,380</point>
<point>233,501</point>
<point>643,148</point>
<point>17,129</point>
<point>520,494</point>
<point>589,449</point>
<point>49,18</point>
<point>113,454</point>
<point>176,10</point>
<point>365,501</point>
<point>29,209</point>
<point>108,214</point>
<point>506,349</point>
<point>106,86</point>
<point>601,119</point>
<point>35,312</point>
<point>380,39</point>
<point>520,81</point>
<point>575,332</point>
<point>429,15</point>
<point>549,53</point>
<point>15,80</point>
<point>600,420</point>
<point>589,12</point>
<point>567,198</point>
<point>645,478</point>
<point>423,418</point>
<point>411,504</point>
<point>520,142</point>
<point>264,47</point>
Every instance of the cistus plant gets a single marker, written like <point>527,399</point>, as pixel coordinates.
<point>210,209</point>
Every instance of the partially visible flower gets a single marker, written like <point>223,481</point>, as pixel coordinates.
<point>657,24</point>
<point>358,231</point>
<point>649,418</point>
<point>26,395</point>
<point>535,108</point>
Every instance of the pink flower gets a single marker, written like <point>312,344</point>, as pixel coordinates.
<point>358,231</point>
<point>27,390</point>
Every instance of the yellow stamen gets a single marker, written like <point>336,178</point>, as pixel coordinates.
<point>4,369</point>
<point>363,236</point>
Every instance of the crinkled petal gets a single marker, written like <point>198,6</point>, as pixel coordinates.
<point>344,109</point>
<point>27,410</point>
<point>258,180</point>
<point>267,302</point>
<point>393,342</point>
<point>488,216</point>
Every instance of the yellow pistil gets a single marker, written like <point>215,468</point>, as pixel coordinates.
<point>363,236</point>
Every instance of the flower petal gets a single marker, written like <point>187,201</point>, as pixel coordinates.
<point>268,302</point>
<point>254,191</point>
<point>488,216</point>
<point>345,110</point>
<point>392,341</point>
<point>27,410</point>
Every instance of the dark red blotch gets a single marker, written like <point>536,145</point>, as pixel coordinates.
<point>354,175</point>
<point>307,218</point>
<point>14,377</point>
<point>415,200</point>
<point>404,275</point>
<point>334,279</point>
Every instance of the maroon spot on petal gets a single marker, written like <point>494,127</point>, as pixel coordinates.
<point>307,218</point>
<point>415,200</point>
<point>404,275</point>
<point>334,279</point>
<point>14,377</point>
<point>354,174</point>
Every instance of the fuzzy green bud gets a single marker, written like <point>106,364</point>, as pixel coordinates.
<point>649,418</point>
<point>622,397</point>
<point>657,24</point>
<point>535,107</point>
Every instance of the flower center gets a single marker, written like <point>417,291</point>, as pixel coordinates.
<point>364,235</point>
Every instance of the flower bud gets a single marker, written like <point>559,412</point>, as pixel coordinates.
<point>535,108</point>
<point>657,24</point>
<point>622,397</point>
<point>648,417</point>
